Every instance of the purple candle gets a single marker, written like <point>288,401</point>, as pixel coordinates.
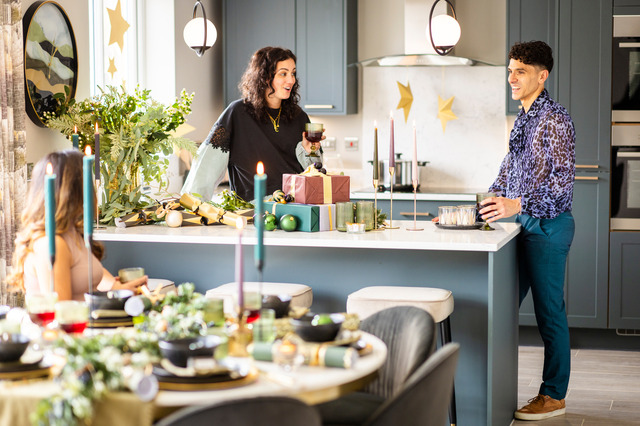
<point>239,272</point>
<point>392,155</point>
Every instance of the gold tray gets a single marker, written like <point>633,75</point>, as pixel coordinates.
<point>35,372</point>
<point>214,385</point>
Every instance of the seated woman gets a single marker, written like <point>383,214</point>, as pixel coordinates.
<point>31,257</point>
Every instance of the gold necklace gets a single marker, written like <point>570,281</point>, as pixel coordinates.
<point>275,121</point>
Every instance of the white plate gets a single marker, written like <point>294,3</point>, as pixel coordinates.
<point>153,283</point>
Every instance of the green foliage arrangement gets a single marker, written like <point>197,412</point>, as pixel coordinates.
<point>136,132</point>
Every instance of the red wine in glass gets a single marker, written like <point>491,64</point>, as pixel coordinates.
<point>314,136</point>
<point>252,315</point>
<point>42,318</point>
<point>74,327</point>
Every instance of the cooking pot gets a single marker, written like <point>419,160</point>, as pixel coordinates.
<point>403,173</point>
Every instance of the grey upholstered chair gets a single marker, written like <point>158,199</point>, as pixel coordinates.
<point>409,334</point>
<point>263,411</point>
<point>423,400</point>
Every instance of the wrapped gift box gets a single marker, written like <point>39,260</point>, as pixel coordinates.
<point>308,216</point>
<point>327,216</point>
<point>316,189</point>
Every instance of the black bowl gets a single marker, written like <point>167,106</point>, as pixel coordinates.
<point>279,303</point>
<point>178,351</point>
<point>305,328</point>
<point>12,346</point>
<point>112,300</point>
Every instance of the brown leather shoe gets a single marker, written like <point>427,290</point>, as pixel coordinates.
<point>541,407</point>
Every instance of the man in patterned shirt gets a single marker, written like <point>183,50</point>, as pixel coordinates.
<point>536,183</point>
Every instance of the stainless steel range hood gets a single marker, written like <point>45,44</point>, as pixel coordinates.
<point>393,33</point>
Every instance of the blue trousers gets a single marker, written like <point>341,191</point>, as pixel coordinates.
<point>543,245</point>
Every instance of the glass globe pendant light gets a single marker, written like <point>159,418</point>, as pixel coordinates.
<point>443,30</point>
<point>199,33</point>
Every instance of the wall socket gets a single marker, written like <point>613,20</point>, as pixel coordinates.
<point>329,144</point>
<point>351,144</point>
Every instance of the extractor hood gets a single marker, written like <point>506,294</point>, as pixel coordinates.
<point>393,33</point>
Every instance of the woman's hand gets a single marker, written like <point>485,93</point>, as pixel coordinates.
<point>499,208</point>
<point>129,285</point>
<point>307,144</point>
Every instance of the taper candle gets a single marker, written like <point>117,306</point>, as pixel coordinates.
<point>259,189</point>
<point>50,210</point>
<point>375,151</point>
<point>414,163</point>
<point>239,269</point>
<point>392,155</point>
<point>87,180</point>
<point>97,153</point>
<point>75,138</point>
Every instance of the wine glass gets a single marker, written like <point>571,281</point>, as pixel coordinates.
<point>72,316</point>
<point>252,305</point>
<point>41,308</point>
<point>313,133</point>
<point>481,196</point>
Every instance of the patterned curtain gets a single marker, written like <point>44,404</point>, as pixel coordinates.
<point>13,169</point>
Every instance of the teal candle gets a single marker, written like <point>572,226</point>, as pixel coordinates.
<point>50,210</point>
<point>87,183</point>
<point>259,189</point>
<point>75,140</point>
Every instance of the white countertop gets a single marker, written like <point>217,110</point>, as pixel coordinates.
<point>431,238</point>
<point>423,194</point>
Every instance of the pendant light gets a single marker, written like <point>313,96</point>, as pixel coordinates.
<point>199,33</point>
<point>443,30</point>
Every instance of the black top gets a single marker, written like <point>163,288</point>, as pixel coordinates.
<point>249,141</point>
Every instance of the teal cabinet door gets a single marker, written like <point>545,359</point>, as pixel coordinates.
<point>624,281</point>
<point>326,38</point>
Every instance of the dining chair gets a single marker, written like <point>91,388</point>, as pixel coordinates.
<point>423,400</point>
<point>263,411</point>
<point>410,336</point>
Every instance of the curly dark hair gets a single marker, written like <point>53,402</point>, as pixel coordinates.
<point>533,53</point>
<point>257,79</point>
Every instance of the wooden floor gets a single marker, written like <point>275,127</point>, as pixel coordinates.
<point>604,388</point>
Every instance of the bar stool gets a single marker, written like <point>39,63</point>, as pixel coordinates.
<point>437,301</point>
<point>301,294</point>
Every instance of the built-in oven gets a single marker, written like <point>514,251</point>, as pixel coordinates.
<point>625,177</point>
<point>625,86</point>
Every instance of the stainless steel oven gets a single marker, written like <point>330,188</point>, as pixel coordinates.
<point>625,86</point>
<point>625,177</point>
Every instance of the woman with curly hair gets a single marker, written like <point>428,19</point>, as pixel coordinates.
<point>265,125</point>
<point>31,257</point>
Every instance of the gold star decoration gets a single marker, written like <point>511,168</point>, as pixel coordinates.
<point>406,99</point>
<point>112,67</point>
<point>118,26</point>
<point>444,111</point>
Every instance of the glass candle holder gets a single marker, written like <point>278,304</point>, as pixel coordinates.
<point>345,213</point>
<point>41,307</point>
<point>214,312</point>
<point>72,315</point>
<point>448,215</point>
<point>466,215</point>
<point>287,355</point>
<point>264,329</point>
<point>364,214</point>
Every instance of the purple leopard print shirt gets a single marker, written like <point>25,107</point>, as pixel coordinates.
<point>540,164</point>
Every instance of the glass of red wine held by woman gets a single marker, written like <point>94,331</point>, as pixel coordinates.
<point>480,197</point>
<point>313,133</point>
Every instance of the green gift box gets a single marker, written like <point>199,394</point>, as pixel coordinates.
<point>308,216</point>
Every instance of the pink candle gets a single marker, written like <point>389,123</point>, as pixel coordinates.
<point>375,151</point>
<point>414,164</point>
<point>392,156</point>
<point>239,272</point>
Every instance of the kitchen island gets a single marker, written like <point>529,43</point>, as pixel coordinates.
<point>478,267</point>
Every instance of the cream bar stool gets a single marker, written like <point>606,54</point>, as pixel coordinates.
<point>437,301</point>
<point>301,294</point>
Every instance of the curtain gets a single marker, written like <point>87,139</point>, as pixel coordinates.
<point>13,169</point>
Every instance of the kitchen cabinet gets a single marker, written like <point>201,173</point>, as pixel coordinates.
<point>323,35</point>
<point>586,280</point>
<point>580,33</point>
<point>624,282</point>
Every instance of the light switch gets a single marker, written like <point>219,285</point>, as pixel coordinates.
<point>351,144</point>
<point>329,144</point>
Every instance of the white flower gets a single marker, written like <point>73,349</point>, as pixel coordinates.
<point>81,406</point>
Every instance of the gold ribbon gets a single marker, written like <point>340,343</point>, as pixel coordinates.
<point>330,220</point>
<point>326,183</point>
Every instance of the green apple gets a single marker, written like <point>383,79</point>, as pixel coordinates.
<point>288,223</point>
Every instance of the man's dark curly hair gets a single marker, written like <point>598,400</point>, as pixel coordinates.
<point>257,80</point>
<point>533,53</point>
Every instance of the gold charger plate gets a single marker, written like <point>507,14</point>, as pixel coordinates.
<point>215,384</point>
<point>110,322</point>
<point>21,371</point>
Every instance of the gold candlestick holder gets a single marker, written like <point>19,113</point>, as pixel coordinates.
<point>375,205</point>
<point>392,171</point>
<point>98,226</point>
<point>415,204</point>
<point>240,337</point>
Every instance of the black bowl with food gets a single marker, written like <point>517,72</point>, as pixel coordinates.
<point>178,351</point>
<point>112,300</point>
<point>278,302</point>
<point>12,346</point>
<point>318,328</point>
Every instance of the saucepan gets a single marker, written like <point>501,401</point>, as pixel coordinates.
<point>403,172</point>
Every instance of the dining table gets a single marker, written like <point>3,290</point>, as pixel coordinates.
<point>311,384</point>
